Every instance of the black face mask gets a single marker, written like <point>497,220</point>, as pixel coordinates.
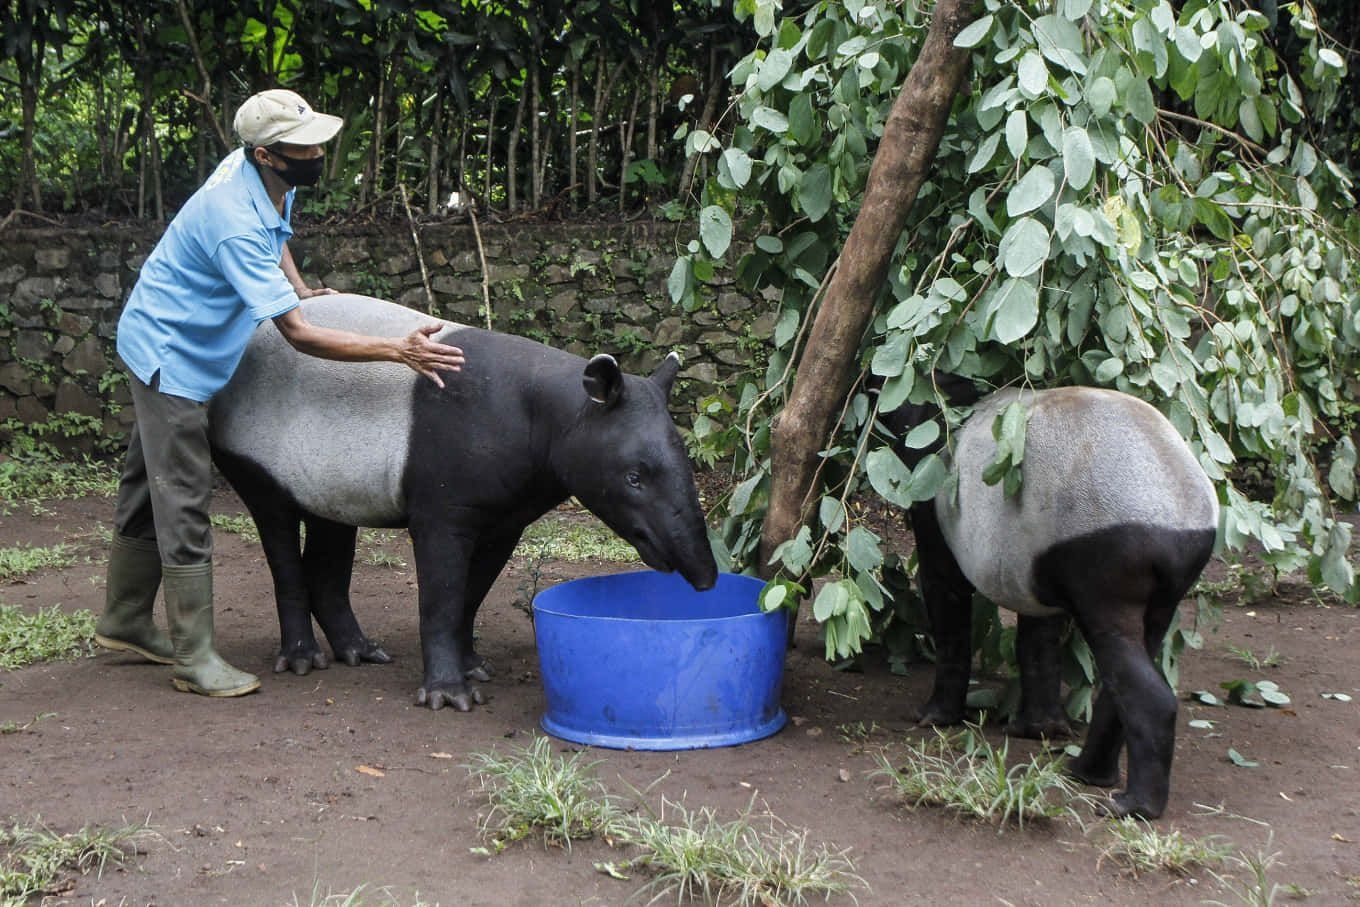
<point>302,171</point>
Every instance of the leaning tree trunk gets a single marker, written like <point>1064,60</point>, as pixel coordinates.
<point>910,139</point>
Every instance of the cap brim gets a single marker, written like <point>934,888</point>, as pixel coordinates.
<point>321,128</point>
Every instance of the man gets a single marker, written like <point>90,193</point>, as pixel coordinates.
<point>222,267</point>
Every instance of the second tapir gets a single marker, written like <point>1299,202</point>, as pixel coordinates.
<point>465,468</point>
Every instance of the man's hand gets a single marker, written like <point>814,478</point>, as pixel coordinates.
<point>305,292</point>
<point>428,357</point>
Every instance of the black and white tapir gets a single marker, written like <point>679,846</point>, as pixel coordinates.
<point>465,468</point>
<point>1112,524</point>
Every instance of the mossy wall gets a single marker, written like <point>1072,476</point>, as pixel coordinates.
<point>584,288</point>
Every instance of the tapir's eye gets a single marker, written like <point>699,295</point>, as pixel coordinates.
<point>634,479</point>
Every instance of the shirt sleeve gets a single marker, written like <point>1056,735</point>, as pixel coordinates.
<point>252,268</point>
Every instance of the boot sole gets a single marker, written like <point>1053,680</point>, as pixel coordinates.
<point>185,686</point>
<point>117,645</point>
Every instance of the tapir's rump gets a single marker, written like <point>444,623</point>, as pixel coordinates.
<point>1095,460</point>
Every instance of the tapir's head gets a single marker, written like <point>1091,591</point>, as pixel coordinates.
<point>624,459</point>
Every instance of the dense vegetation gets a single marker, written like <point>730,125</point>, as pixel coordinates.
<point>1150,196</point>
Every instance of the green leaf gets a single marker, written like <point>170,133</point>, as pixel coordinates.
<point>814,193</point>
<point>774,68</point>
<point>1033,189</point>
<point>1079,160</point>
<point>678,283</point>
<point>734,168</point>
<point>1336,568</point>
<point>1024,247</point>
<point>1032,75</point>
<point>1013,310</point>
<point>1239,760</point>
<point>715,229</point>
<point>975,33</point>
<point>769,119</point>
<point>923,435</point>
<point>1138,101</point>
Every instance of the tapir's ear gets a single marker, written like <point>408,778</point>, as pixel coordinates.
<point>603,379</point>
<point>665,372</point>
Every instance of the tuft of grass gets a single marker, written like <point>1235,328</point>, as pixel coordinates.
<point>963,773</point>
<point>34,859</point>
<point>1256,662</point>
<point>43,478</point>
<point>696,856</point>
<point>47,635</point>
<point>357,898</point>
<point>1139,847</point>
<point>16,563</point>
<point>532,792</point>
<point>1256,890</point>
<point>237,523</point>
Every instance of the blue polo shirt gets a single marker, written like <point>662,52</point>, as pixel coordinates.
<point>211,279</point>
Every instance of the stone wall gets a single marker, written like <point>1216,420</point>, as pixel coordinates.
<point>587,289</point>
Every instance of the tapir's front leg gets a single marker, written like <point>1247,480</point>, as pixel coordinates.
<point>442,559</point>
<point>1038,649</point>
<point>488,559</point>
<point>948,597</point>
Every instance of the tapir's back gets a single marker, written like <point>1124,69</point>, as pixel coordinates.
<point>333,433</point>
<point>1094,460</point>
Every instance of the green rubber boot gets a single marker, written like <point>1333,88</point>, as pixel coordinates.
<point>198,667</point>
<point>134,575</point>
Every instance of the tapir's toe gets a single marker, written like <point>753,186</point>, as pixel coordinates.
<point>301,662</point>
<point>461,699</point>
<point>365,650</point>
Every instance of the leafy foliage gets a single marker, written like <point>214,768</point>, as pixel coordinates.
<point>1126,195</point>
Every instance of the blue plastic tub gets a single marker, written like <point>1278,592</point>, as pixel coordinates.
<point>642,661</point>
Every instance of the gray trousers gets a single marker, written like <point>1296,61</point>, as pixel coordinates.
<point>166,484</point>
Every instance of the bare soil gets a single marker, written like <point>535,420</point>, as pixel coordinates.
<point>337,779</point>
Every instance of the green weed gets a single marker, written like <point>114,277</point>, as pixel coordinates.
<point>965,774</point>
<point>46,635</point>
<point>16,563</point>
<point>696,856</point>
<point>531,792</point>
<point>33,858</point>
<point>237,523</point>
<point>1139,847</point>
<point>53,478</point>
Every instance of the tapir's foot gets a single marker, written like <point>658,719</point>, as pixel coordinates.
<point>933,714</point>
<point>461,696</point>
<point>1096,776</point>
<point>300,658</point>
<point>1036,728</point>
<point>1124,805</point>
<point>361,650</point>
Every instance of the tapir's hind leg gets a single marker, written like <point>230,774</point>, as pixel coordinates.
<point>1135,708</point>
<point>328,563</point>
<point>949,602</point>
<point>279,521</point>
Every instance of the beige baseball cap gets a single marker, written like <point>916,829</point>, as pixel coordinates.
<point>280,115</point>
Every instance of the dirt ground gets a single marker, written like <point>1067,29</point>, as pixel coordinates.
<point>262,800</point>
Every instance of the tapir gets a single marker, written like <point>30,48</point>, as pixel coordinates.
<point>465,468</point>
<point>1112,524</point>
